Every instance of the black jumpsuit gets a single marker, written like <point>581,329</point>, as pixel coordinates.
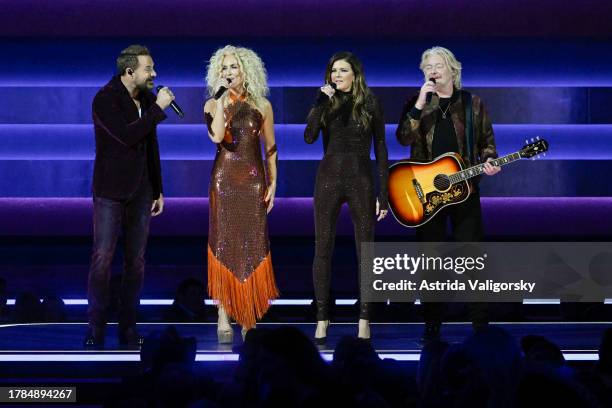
<point>345,176</point>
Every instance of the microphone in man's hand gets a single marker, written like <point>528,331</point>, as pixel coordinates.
<point>177,109</point>
<point>429,94</point>
<point>222,89</point>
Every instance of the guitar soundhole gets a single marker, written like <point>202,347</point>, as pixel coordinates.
<point>442,182</point>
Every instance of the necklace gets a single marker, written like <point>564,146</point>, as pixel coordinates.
<point>445,111</point>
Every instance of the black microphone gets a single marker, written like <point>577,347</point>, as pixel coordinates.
<point>429,94</point>
<point>222,90</point>
<point>322,98</point>
<point>174,105</point>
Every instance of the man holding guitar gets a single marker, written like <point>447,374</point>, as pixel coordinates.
<point>444,119</point>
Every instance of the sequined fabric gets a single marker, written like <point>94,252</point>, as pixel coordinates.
<point>345,176</point>
<point>238,231</point>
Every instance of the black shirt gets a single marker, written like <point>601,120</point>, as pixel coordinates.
<point>445,138</point>
<point>345,136</point>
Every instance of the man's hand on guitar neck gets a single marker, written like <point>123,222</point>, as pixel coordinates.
<point>489,169</point>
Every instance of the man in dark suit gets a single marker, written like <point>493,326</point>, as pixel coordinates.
<point>127,187</point>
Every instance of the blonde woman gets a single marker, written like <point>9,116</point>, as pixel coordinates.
<point>240,274</point>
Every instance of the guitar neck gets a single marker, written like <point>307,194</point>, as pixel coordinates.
<point>479,168</point>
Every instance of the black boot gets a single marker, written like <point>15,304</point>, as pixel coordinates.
<point>478,326</point>
<point>431,333</point>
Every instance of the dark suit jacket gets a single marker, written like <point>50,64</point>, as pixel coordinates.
<point>125,142</point>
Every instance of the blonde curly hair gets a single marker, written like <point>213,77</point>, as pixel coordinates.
<point>252,67</point>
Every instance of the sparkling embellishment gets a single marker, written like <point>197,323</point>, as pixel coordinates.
<point>238,226</point>
<point>345,176</point>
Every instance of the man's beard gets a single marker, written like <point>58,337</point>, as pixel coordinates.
<point>145,86</point>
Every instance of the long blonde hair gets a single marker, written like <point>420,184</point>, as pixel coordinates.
<point>450,60</point>
<point>251,66</point>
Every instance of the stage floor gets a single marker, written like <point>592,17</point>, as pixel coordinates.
<point>63,341</point>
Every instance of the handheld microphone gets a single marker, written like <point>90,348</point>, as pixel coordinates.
<point>322,98</point>
<point>429,94</point>
<point>177,109</point>
<point>222,90</point>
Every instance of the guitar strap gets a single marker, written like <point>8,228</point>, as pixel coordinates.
<point>469,128</point>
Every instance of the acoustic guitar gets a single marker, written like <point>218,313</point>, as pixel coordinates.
<point>419,190</point>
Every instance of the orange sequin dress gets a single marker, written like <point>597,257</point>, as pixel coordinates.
<point>240,274</point>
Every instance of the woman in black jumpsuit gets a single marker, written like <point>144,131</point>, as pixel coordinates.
<point>350,117</point>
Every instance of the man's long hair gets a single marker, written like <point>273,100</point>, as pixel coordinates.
<point>451,62</point>
<point>359,90</point>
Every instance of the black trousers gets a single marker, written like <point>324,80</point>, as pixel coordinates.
<point>111,217</point>
<point>341,179</point>
<point>466,226</point>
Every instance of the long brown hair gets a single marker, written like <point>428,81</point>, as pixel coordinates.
<point>359,90</point>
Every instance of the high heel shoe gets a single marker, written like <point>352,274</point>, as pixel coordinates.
<point>244,331</point>
<point>364,329</point>
<point>320,337</point>
<point>225,334</point>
